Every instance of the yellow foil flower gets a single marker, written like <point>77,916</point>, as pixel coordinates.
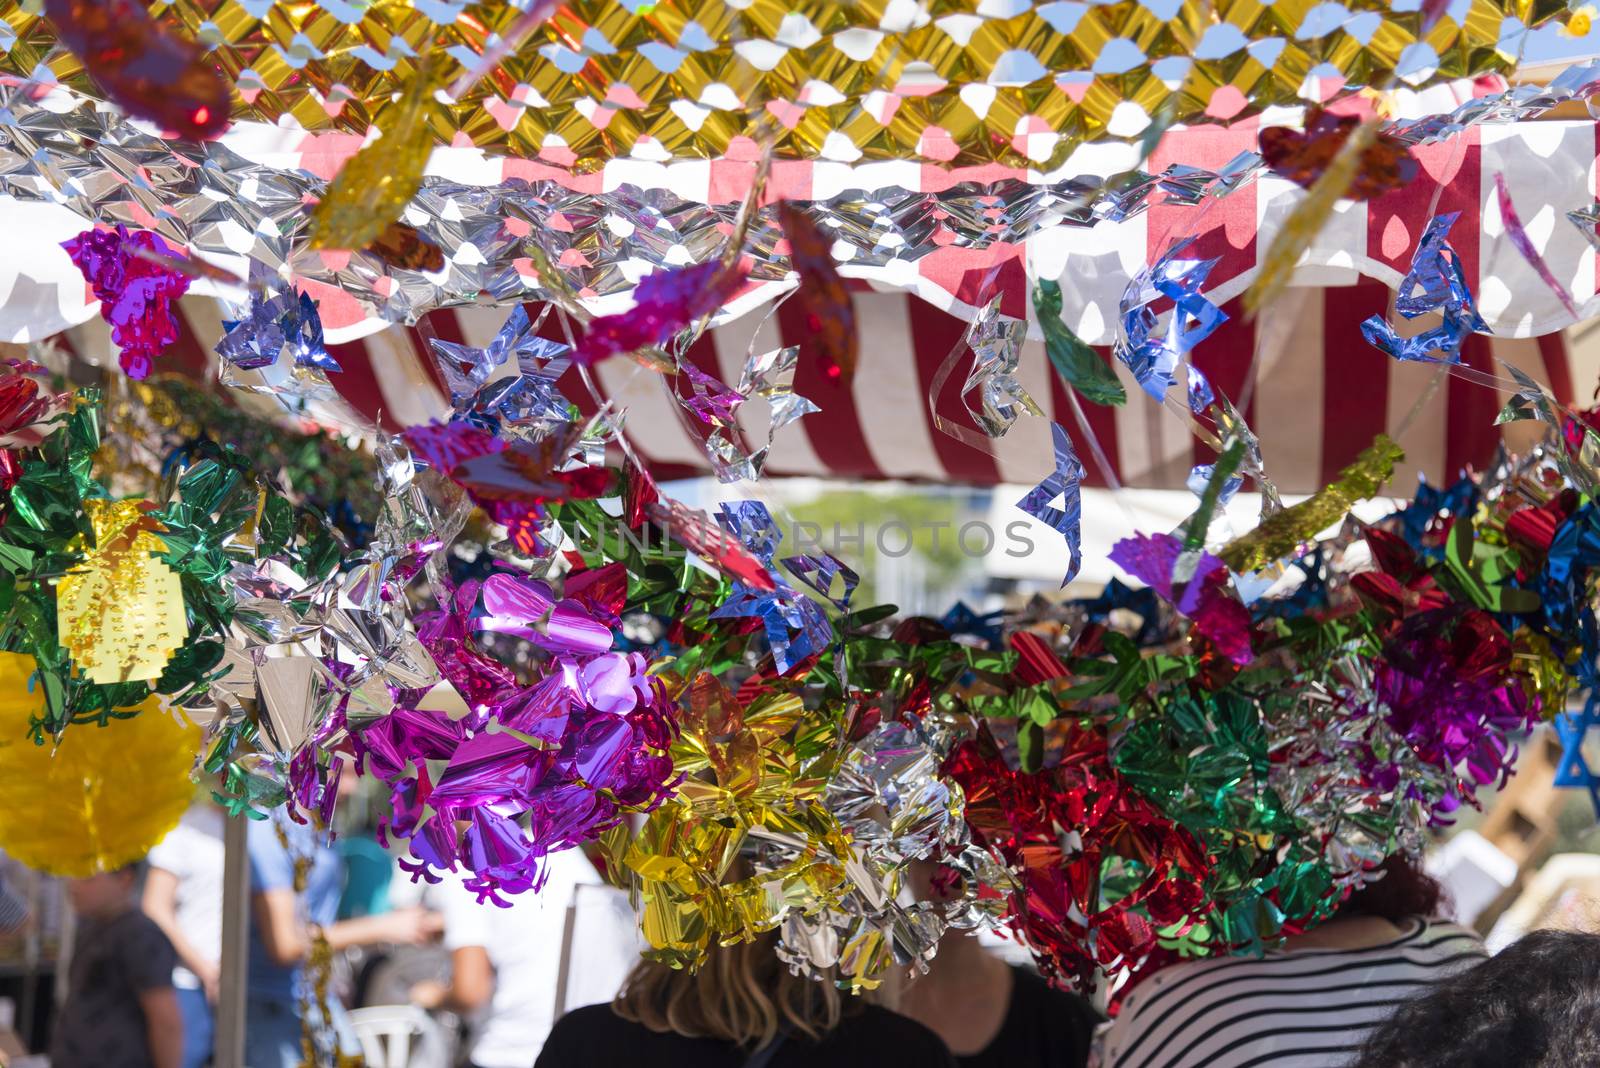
<point>120,613</point>
<point>102,796</point>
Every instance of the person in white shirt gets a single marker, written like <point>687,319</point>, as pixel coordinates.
<point>183,895</point>
<point>506,962</point>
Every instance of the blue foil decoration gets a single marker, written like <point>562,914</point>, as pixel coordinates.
<point>283,323</point>
<point>1435,283</point>
<point>1200,478</point>
<point>1151,357</point>
<point>1065,482</point>
<point>1574,771</point>
<point>528,398</point>
<point>796,626</point>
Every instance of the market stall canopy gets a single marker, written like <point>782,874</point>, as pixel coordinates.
<point>1309,385</point>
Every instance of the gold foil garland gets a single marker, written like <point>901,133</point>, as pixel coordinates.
<point>598,80</point>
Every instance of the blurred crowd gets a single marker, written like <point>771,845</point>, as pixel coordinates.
<point>349,958</point>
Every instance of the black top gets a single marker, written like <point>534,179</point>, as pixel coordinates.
<point>1044,1027</point>
<point>596,1037</point>
<point>102,1024</point>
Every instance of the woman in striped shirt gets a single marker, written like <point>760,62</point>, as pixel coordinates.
<point>1309,1005</point>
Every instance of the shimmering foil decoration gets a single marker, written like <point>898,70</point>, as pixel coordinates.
<point>207,197</point>
<point>1303,156</point>
<point>1065,483</point>
<point>830,316</point>
<point>1078,364</point>
<point>890,798</point>
<point>136,291</point>
<point>996,343</point>
<point>101,798</point>
<point>1523,243</point>
<point>279,327</point>
<point>405,248</point>
<point>375,185</point>
<point>1280,533</point>
<point>665,303</point>
<point>1153,357</point>
<point>960,82</point>
<point>744,842</point>
<point>1435,283</point>
<point>143,65</point>
<point>1310,214</point>
<point>1099,868</point>
<point>120,613</point>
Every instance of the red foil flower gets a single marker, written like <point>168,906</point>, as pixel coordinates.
<point>1099,868</point>
<point>1303,155</point>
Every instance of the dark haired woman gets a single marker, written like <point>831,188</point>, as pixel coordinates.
<point>1308,1005</point>
<point>1536,1004</point>
<point>742,1009</point>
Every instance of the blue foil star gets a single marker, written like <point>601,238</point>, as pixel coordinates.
<point>1435,283</point>
<point>528,398</point>
<point>1153,358</point>
<point>1573,728</point>
<point>795,625</point>
<point>285,323</point>
<point>1065,482</point>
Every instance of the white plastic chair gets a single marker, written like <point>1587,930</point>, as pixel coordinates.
<point>400,1036</point>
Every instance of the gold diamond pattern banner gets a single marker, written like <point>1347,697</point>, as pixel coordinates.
<point>950,81</point>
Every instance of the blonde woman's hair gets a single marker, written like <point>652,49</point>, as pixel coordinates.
<point>742,994</point>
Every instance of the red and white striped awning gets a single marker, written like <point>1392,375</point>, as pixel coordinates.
<point>1316,394</point>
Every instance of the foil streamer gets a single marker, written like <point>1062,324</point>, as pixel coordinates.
<point>665,303</point>
<point>1573,729</point>
<point>529,399</point>
<point>195,195</point>
<point>135,292</point>
<point>770,376</point>
<point>143,66</point>
<point>1303,156</point>
<point>1434,283</point>
<point>695,531</point>
<point>207,198</point>
<point>830,316</point>
<point>1078,365</point>
<point>529,770</point>
<point>744,842</point>
<point>1587,220</point>
<point>889,797</point>
<point>1280,533</point>
<point>1153,359</point>
<point>1066,483</point>
<point>282,332</point>
<point>1071,833</point>
<point>375,185</point>
<point>795,626</point>
<point>1309,216</point>
<point>1524,245</point>
<point>690,80</point>
<point>996,343</point>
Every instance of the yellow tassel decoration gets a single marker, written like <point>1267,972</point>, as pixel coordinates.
<point>102,797</point>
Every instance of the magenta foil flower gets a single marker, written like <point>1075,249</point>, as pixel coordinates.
<point>1446,685</point>
<point>530,769</point>
<point>1195,583</point>
<point>136,290</point>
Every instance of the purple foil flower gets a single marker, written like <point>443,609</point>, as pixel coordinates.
<point>532,769</point>
<point>1446,687</point>
<point>135,290</point>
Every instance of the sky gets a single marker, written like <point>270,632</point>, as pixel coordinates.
<point>1549,43</point>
